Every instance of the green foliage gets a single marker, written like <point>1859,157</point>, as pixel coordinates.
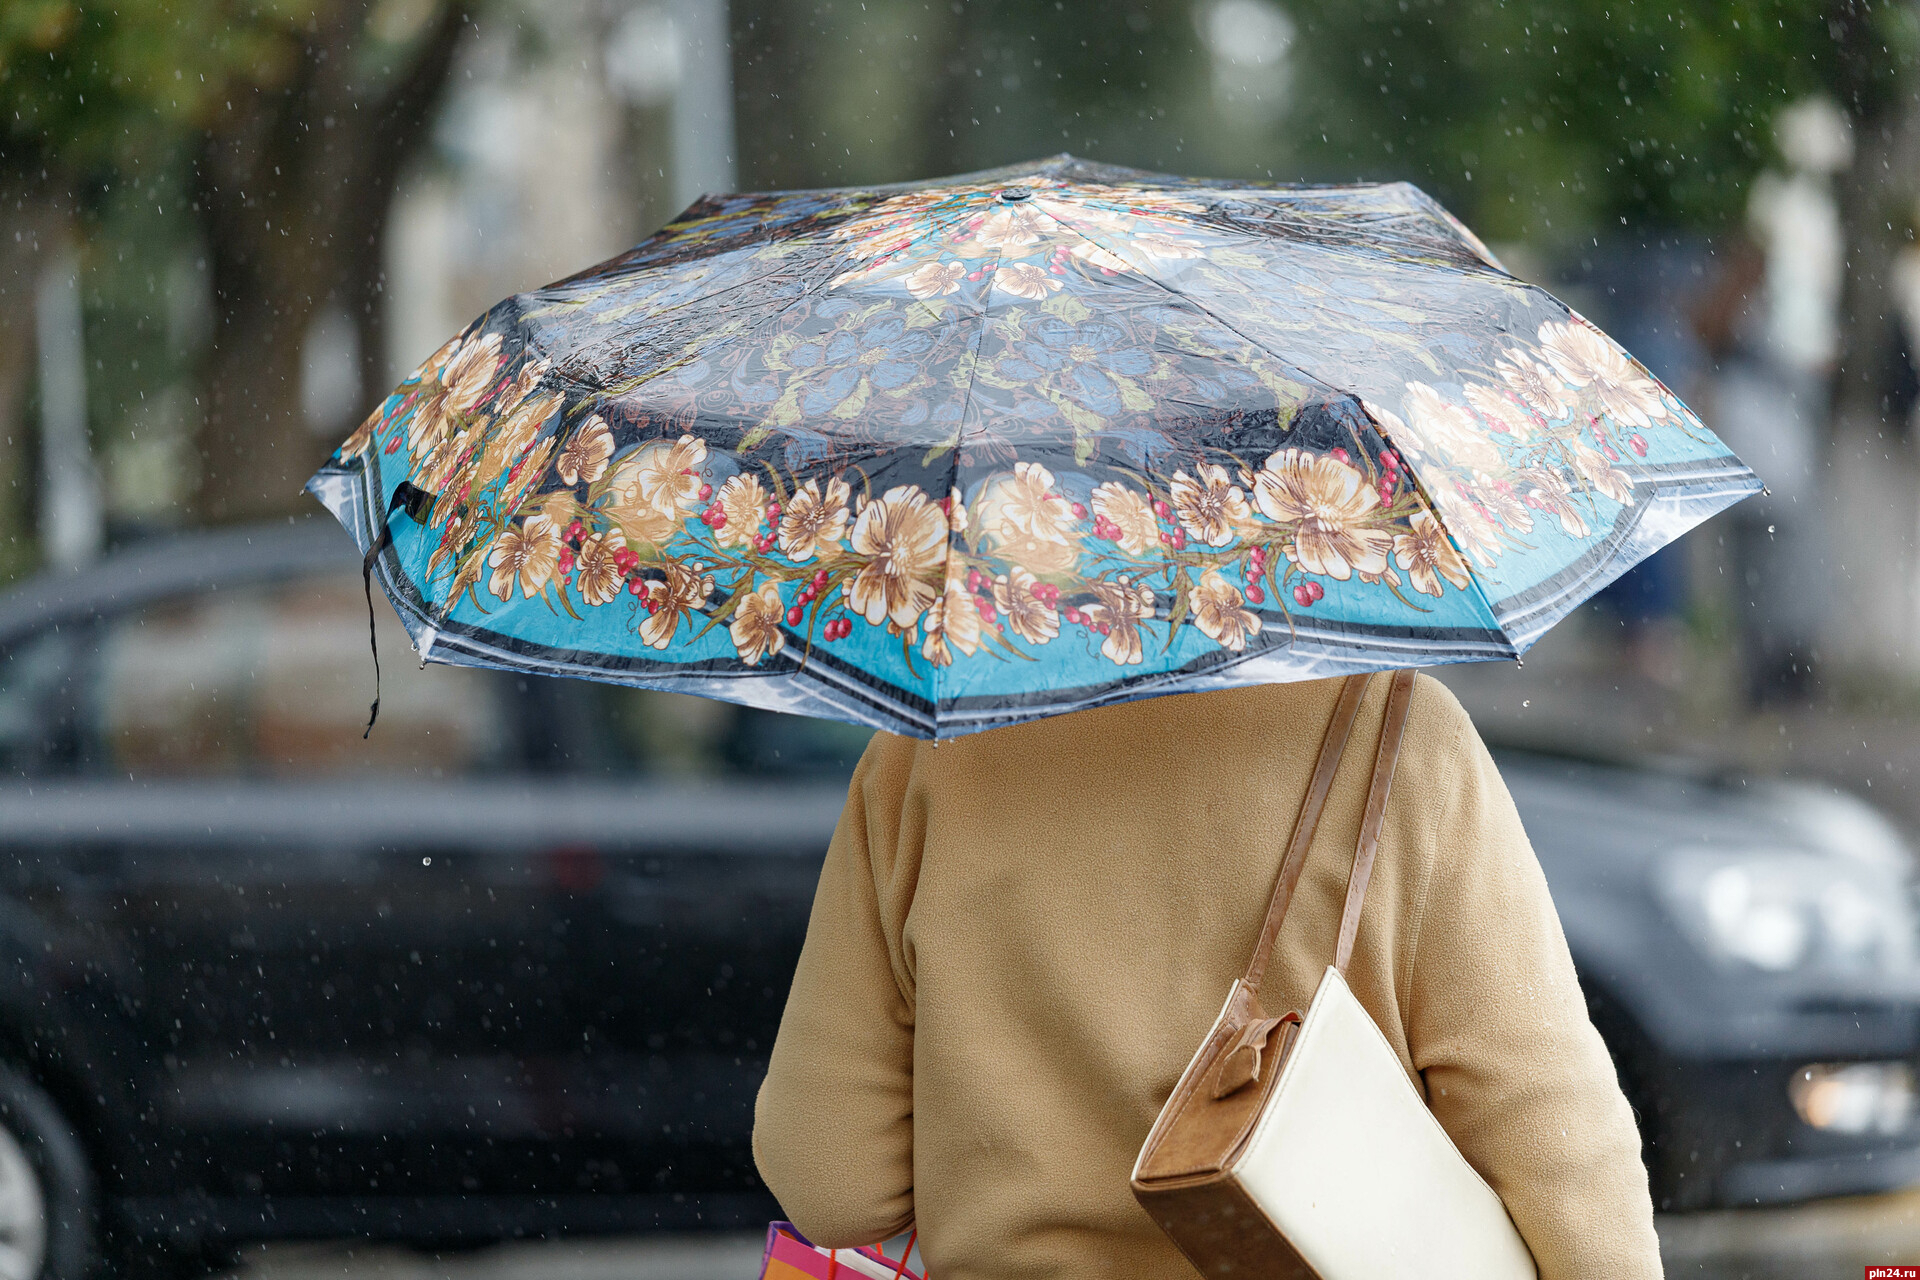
<point>1547,120</point>
<point>93,87</point>
<point>88,85</point>
<point>842,91</point>
<point>1109,81</point>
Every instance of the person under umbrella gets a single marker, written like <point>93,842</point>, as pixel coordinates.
<point>966,455</point>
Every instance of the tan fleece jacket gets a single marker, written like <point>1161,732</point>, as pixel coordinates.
<point>1021,937</point>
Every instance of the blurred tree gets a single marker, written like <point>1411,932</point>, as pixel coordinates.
<point>1567,119</point>
<point>1110,82</point>
<point>295,180</point>
<point>1564,122</point>
<point>290,120</point>
<point>34,218</point>
<point>98,104</point>
<point>1549,121</point>
<point>831,92</point>
<point>1872,459</point>
<point>1555,120</point>
<point>1875,77</point>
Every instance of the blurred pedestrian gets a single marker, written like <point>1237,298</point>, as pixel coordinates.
<point>1770,323</point>
<point>1019,938</point>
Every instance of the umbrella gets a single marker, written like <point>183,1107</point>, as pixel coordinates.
<point>951,455</point>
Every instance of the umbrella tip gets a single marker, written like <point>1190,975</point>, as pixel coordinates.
<point>1765,492</point>
<point>1519,662</point>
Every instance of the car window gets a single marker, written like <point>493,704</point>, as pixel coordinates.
<point>36,695</point>
<point>275,679</point>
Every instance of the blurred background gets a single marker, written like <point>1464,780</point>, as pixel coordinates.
<point>233,227</point>
<point>226,229</point>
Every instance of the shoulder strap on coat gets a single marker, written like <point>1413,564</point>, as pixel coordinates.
<point>1332,746</point>
<point>1384,760</point>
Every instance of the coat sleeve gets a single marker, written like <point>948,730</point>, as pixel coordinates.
<point>1498,1030</point>
<point>833,1124</point>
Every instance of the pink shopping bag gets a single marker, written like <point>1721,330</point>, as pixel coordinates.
<point>790,1256</point>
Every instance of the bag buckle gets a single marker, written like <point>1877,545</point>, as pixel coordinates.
<point>1242,1064</point>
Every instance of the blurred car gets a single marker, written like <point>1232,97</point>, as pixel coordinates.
<point>1748,952</point>
<point>512,964</point>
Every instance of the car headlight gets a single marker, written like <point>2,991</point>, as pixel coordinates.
<point>1787,910</point>
<point>1853,1097</point>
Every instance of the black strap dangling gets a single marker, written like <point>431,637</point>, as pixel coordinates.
<point>416,502</point>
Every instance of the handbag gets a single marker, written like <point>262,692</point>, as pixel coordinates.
<point>1297,1146</point>
<point>791,1256</point>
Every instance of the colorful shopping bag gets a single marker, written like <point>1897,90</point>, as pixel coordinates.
<point>790,1256</point>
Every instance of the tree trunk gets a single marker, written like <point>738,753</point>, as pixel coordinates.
<point>296,183</point>
<point>38,210</point>
<point>788,64</point>
<point>1876,196</point>
<point>1872,498</point>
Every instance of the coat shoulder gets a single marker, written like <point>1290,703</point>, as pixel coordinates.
<point>1435,709</point>
<point>1440,738</point>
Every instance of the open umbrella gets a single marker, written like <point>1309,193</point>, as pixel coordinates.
<point>952,455</point>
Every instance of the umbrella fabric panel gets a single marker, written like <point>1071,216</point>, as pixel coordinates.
<point>936,458</point>
<point>1556,459</point>
<point>466,635</point>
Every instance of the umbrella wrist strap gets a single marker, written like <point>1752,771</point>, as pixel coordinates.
<point>416,502</point>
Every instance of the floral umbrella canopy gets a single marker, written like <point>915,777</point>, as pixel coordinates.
<point>947,456</point>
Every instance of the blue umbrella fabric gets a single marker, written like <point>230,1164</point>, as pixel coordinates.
<point>946,456</point>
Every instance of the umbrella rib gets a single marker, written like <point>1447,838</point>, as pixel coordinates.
<point>703,352</point>
<point>959,441</point>
<point>1228,325</point>
<point>1194,302</point>
<point>1433,512</point>
<point>938,222</point>
<point>973,364</point>
<point>822,240</point>
<point>1265,195</point>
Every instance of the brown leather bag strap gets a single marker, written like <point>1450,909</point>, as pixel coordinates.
<point>1384,760</point>
<point>1332,746</point>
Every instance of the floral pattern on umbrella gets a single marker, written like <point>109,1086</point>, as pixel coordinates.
<point>945,457</point>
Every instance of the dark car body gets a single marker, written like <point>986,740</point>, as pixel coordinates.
<point>1706,1050</point>
<point>499,969</point>
<point>513,963</point>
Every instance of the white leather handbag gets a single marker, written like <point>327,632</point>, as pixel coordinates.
<point>1297,1146</point>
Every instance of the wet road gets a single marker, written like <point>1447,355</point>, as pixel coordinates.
<point>1829,1241</point>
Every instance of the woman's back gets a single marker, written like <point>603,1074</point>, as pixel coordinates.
<point>1021,937</point>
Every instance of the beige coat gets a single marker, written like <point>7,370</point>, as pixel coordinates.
<point>1021,937</point>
